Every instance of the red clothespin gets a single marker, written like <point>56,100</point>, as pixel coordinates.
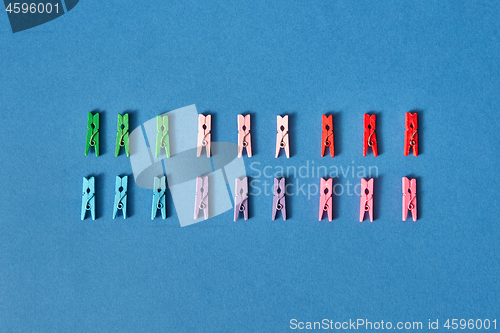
<point>204,136</point>
<point>244,138</point>
<point>366,204</point>
<point>369,137</point>
<point>409,198</point>
<point>325,199</point>
<point>411,135</point>
<point>327,136</point>
<point>282,136</point>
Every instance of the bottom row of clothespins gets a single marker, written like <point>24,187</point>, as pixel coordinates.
<point>241,198</point>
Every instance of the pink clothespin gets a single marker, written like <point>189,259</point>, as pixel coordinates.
<point>325,199</point>
<point>409,198</point>
<point>204,136</point>
<point>366,204</point>
<point>279,202</point>
<point>244,138</point>
<point>282,136</point>
<point>201,199</point>
<point>241,198</point>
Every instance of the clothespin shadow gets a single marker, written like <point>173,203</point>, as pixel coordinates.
<point>290,193</point>
<point>253,117</point>
<point>380,136</point>
<point>292,127</point>
<point>100,198</point>
<point>378,186</point>
<point>251,197</point>
<point>337,130</point>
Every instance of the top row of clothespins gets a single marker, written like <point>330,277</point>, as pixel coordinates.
<point>244,136</point>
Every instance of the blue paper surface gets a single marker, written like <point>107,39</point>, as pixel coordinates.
<point>301,58</point>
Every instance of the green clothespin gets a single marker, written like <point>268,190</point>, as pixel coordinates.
<point>162,139</point>
<point>92,133</point>
<point>122,134</point>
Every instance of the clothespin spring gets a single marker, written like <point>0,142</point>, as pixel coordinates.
<point>120,204</point>
<point>205,142</point>
<point>411,205</point>
<point>92,142</point>
<point>367,207</point>
<point>122,142</point>
<point>325,207</point>
<point>282,143</point>
<point>327,143</point>
<point>245,143</point>
<point>279,206</point>
<point>202,203</point>
<point>413,142</point>
<point>87,205</point>
<point>159,205</point>
<point>370,142</point>
<point>163,143</point>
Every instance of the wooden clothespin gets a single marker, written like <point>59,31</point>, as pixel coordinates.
<point>88,197</point>
<point>325,199</point>
<point>204,136</point>
<point>120,196</point>
<point>282,137</point>
<point>369,137</point>
<point>279,202</point>
<point>201,198</point>
<point>122,134</point>
<point>244,137</point>
<point>159,194</point>
<point>366,204</point>
<point>241,198</point>
<point>409,198</point>
<point>162,137</point>
<point>92,133</point>
<point>411,135</point>
<point>327,136</point>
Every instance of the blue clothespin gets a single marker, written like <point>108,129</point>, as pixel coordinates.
<point>120,196</point>
<point>88,197</point>
<point>159,198</point>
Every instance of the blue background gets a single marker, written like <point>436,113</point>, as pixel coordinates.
<point>301,58</point>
